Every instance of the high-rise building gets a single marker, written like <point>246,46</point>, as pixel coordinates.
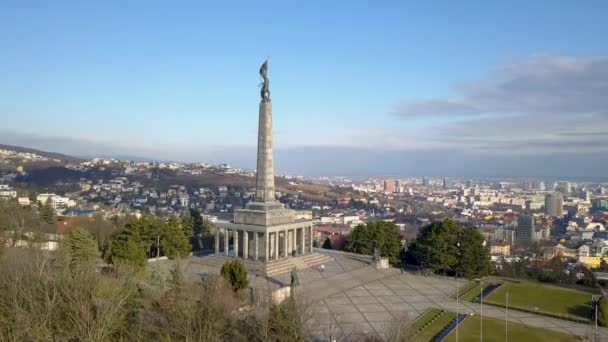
<point>587,196</point>
<point>506,235</point>
<point>445,183</point>
<point>564,187</point>
<point>525,228</point>
<point>599,204</point>
<point>540,186</point>
<point>426,181</point>
<point>554,204</point>
<point>390,185</point>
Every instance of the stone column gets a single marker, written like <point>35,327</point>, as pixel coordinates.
<point>245,244</point>
<point>235,236</point>
<point>266,247</point>
<point>276,245</point>
<point>226,243</point>
<point>303,241</point>
<point>217,241</point>
<point>285,246</point>
<point>255,248</point>
<point>311,236</point>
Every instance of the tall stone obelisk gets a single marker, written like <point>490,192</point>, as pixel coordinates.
<point>266,229</point>
<point>265,166</point>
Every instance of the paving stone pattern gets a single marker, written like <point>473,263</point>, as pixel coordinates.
<point>352,298</point>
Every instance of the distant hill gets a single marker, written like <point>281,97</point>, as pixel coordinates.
<point>62,157</point>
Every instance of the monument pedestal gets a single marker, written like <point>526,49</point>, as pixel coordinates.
<point>264,214</point>
<point>381,264</point>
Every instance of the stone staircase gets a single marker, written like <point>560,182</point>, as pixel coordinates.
<point>302,262</point>
<point>272,268</point>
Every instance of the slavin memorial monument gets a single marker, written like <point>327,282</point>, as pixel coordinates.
<point>265,230</point>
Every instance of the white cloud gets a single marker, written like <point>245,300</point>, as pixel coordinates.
<point>538,85</point>
<point>540,105</point>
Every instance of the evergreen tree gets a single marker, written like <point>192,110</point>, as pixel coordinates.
<point>188,223</point>
<point>391,248</point>
<point>236,274</point>
<point>127,247</point>
<point>174,243</point>
<point>149,229</point>
<point>360,240</point>
<point>327,243</point>
<point>47,213</point>
<point>436,247</point>
<point>384,236</point>
<point>197,222</point>
<point>445,246</point>
<point>81,247</point>
<point>473,257</point>
<point>195,226</point>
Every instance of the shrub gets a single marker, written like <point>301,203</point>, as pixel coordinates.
<point>236,274</point>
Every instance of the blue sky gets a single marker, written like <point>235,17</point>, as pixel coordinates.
<point>178,80</point>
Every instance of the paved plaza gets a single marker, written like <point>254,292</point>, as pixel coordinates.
<point>355,298</point>
<point>350,298</point>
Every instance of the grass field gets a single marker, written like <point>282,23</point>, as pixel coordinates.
<point>469,291</point>
<point>494,330</point>
<point>543,298</point>
<point>430,331</point>
<point>464,289</point>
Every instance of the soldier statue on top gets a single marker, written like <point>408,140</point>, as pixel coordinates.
<point>265,92</point>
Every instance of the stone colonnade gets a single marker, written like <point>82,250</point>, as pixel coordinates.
<point>265,246</point>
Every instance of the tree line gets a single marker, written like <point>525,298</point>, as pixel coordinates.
<point>66,295</point>
<point>447,247</point>
<point>119,239</point>
<point>443,247</point>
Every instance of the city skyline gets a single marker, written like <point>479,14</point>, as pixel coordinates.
<point>494,95</point>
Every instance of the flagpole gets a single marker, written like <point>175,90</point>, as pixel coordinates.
<point>595,335</point>
<point>456,306</point>
<point>506,317</point>
<point>481,311</point>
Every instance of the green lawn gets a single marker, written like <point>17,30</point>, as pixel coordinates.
<point>430,331</point>
<point>469,291</point>
<point>543,298</point>
<point>429,315</point>
<point>475,292</point>
<point>468,286</point>
<point>494,330</point>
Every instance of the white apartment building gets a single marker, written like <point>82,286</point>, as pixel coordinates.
<point>55,200</point>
